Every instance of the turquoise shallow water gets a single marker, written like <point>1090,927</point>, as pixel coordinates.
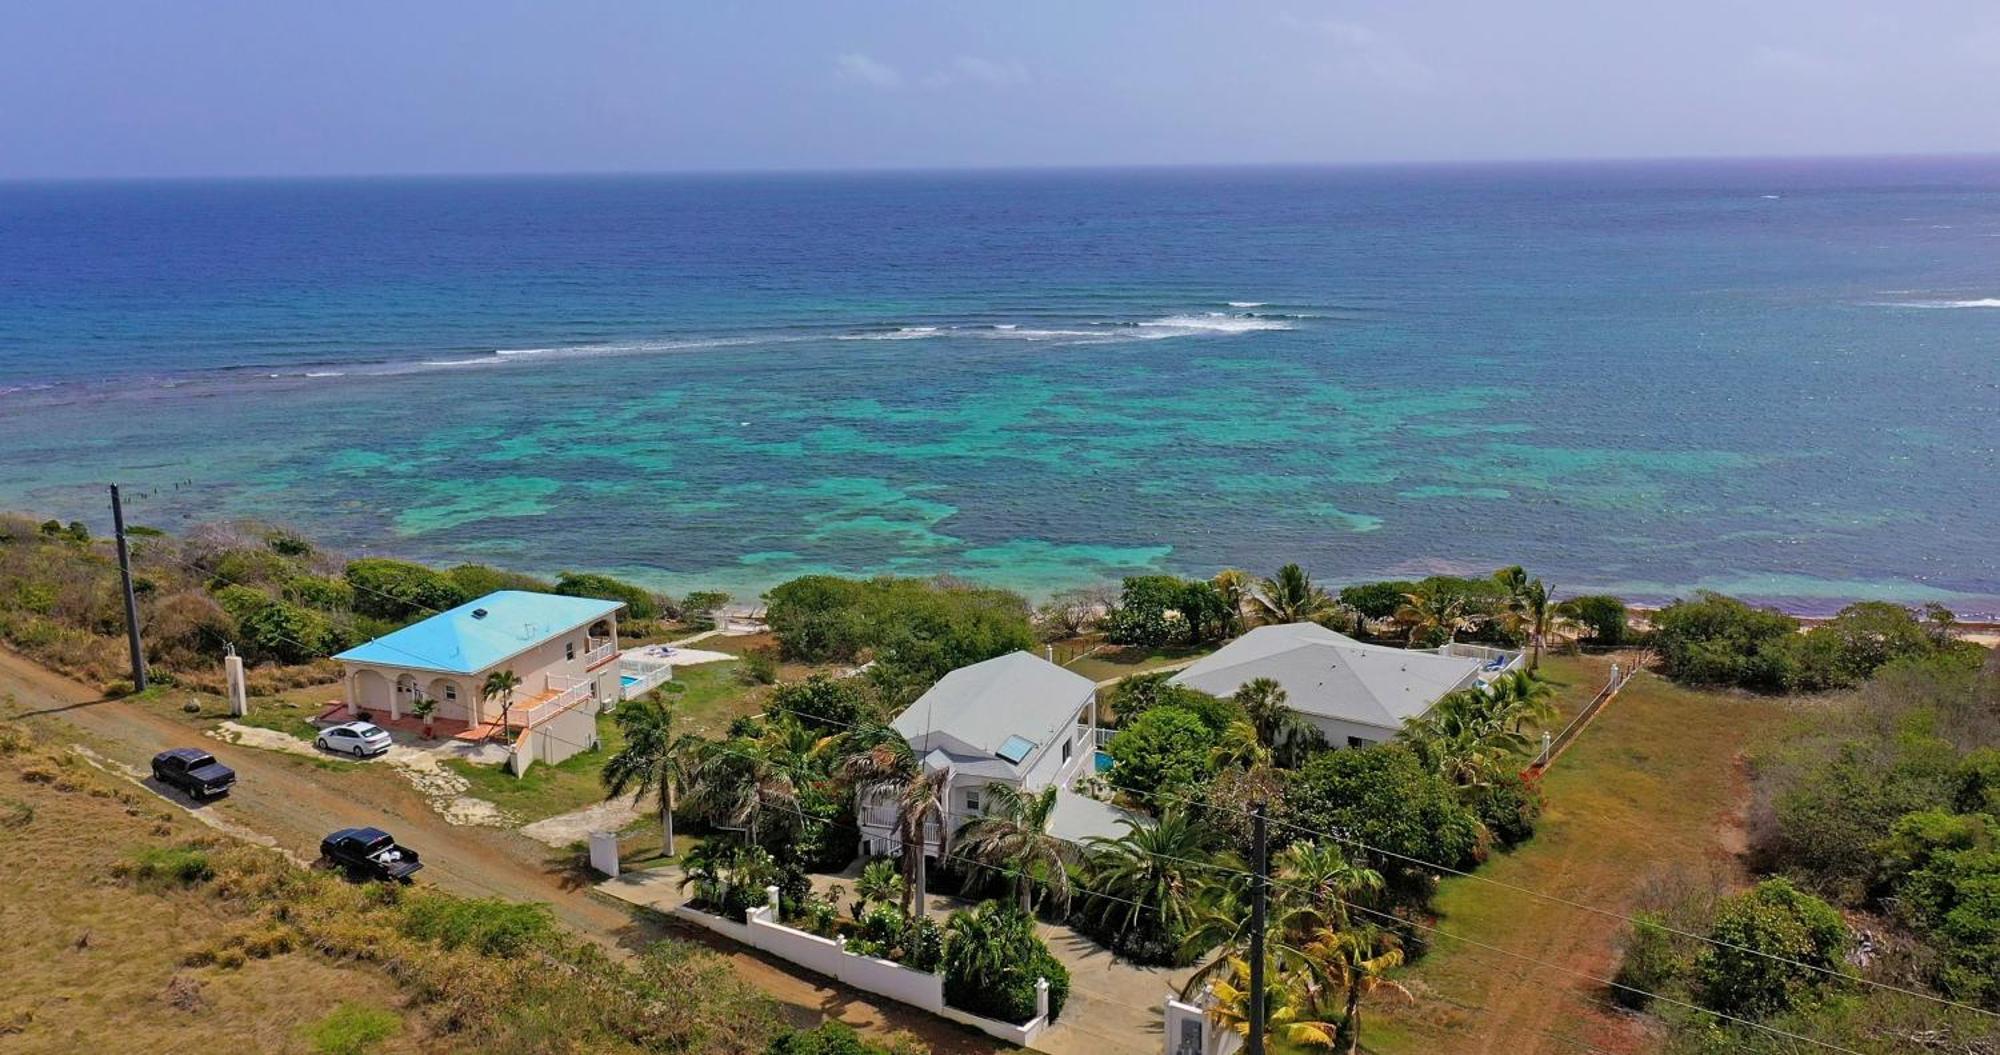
<point>1779,380</point>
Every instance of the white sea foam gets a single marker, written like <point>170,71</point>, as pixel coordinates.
<point>904,333</point>
<point>522,351</point>
<point>326,373</point>
<point>1214,322</point>
<point>480,361</point>
<point>1246,303</point>
<point>1975,302</point>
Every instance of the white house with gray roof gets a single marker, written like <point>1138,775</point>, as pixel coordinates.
<point>1354,692</point>
<point>1015,719</point>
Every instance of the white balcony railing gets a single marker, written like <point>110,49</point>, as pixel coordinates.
<point>599,650</point>
<point>568,693</point>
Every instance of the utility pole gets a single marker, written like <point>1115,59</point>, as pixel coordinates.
<point>131,601</point>
<point>1258,884</point>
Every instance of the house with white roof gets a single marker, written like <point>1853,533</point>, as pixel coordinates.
<point>1015,719</point>
<point>1355,693</point>
<point>564,650</point>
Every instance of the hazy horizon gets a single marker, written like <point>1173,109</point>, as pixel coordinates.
<point>120,89</point>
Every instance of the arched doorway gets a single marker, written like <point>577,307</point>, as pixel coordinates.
<point>406,694</point>
<point>369,691</point>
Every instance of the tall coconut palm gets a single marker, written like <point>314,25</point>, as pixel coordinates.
<point>1531,613</point>
<point>1356,961</point>
<point>654,759</point>
<point>1284,731</point>
<point>501,685</point>
<point>1236,587</point>
<point>1425,615</point>
<point>1291,597</point>
<point>1151,875</point>
<point>1288,1012</point>
<point>1013,835</point>
<point>885,767</point>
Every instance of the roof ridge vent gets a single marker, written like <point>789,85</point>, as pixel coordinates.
<point>479,613</point>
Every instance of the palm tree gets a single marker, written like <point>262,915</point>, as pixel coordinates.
<point>653,759</point>
<point>887,768</point>
<point>1239,747</point>
<point>1531,613</point>
<point>1154,872</point>
<point>740,783</point>
<point>500,683</point>
<point>1289,1015</point>
<point>1428,614</point>
<point>1317,882</point>
<point>879,881</point>
<point>1235,586</point>
<point>1520,699</point>
<point>1357,960</point>
<point>1291,597</point>
<point>1285,731</point>
<point>1013,834</point>
<point>1465,738</point>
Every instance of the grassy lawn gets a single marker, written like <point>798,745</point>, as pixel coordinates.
<point>1653,783</point>
<point>1114,661</point>
<point>707,697</point>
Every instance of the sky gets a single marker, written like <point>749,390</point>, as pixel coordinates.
<point>143,88</point>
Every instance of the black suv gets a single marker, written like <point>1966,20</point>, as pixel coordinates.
<point>194,771</point>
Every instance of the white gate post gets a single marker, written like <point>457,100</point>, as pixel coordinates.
<point>239,690</point>
<point>604,853</point>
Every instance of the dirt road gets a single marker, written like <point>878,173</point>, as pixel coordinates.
<point>296,801</point>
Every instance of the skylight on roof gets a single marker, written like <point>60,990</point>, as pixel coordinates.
<point>1015,749</point>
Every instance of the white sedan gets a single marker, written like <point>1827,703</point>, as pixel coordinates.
<point>360,739</point>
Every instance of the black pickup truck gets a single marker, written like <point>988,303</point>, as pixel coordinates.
<point>369,853</point>
<point>194,771</point>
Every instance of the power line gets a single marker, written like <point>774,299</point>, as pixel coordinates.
<point>430,662</point>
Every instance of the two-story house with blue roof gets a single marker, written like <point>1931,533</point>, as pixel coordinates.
<point>564,650</point>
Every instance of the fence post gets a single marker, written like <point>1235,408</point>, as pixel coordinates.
<point>1042,999</point>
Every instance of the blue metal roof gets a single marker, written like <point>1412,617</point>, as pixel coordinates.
<point>479,634</point>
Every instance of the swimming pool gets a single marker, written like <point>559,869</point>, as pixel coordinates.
<point>1102,762</point>
<point>627,679</point>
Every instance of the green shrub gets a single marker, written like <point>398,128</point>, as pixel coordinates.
<point>918,630</point>
<point>1651,960</point>
<point>1376,600</point>
<point>318,591</point>
<point>1743,971</point>
<point>1166,750</point>
<point>478,580</point>
<point>1978,788</point>
<point>288,633</point>
<point>396,590</point>
<point>759,667</point>
<point>1157,611</point>
<point>1386,797</point>
<point>829,1038</point>
<point>1603,615</point>
<point>492,926</point>
<point>992,960</point>
<point>352,1029</point>
<point>1140,693</point>
<point>1509,806</point>
<point>640,603</point>
<point>1719,640</point>
<point>821,702</point>
<point>184,865</point>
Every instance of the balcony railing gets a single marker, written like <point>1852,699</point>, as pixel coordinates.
<point>568,693</point>
<point>599,650</point>
<point>647,677</point>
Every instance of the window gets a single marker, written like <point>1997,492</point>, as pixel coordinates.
<point>450,692</point>
<point>1356,741</point>
<point>972,799</point>
<point>569,650</point>
<point>1066,750</point>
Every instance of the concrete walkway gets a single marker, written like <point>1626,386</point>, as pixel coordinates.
<point>1114,1005</point>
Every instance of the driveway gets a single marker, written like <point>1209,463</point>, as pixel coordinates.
<point>291,801</point>
<point>1114,1006</point>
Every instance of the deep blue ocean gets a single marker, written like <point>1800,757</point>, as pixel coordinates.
<point>1775,379</point>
